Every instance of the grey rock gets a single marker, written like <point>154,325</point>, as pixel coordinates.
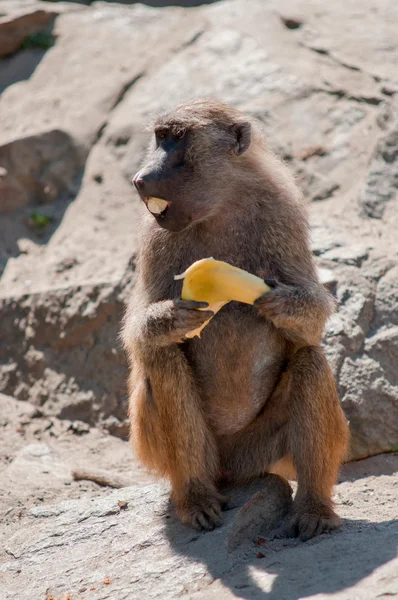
<point>381,185</point>
<point>323,107</point>
<point>370,400</point>
<point>34,462</point>
<point>129,544</point>
<point>262,514</point>
<point>360,343</point>
<point>68,360</point>
<point>322,80</point>
<point>349,255</point>
<point>386,302</point>
<point>37,169</point>
<point>15,28</point>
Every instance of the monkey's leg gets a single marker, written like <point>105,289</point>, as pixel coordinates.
<point>303,420</point>
<point>317,438</point>
<point>171,436</point>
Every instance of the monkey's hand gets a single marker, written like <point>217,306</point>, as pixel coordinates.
<point>277,302</point>
<point>169,321</point>
<point>300,311</point>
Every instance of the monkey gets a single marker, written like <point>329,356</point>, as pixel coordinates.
<point>254,394</point>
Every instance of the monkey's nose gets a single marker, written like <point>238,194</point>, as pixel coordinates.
<point>138,182</point>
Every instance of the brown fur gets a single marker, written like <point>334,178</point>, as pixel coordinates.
<point>255,392</point>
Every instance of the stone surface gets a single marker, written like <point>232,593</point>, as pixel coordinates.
<point>322,78</point>
<point>16,28</point>
<point>328,117</point>
<point>69,360</point>
<point>128,544</point>
<point>38,456</point>
<point>37,169</point>
<point>328,111</point>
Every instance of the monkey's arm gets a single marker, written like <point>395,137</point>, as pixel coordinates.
<point>299,310</point>
<point>164,323</point>
<point>168,427</point>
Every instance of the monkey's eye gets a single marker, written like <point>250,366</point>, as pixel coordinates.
<point>161,134</point>
<point>180,133</point>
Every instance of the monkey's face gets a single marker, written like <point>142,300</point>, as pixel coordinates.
<point>188,169</point>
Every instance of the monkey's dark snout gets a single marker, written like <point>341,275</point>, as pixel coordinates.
<point>138,182</point>
<point>146,184</point>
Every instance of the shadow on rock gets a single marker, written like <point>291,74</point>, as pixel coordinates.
<point>19,66</point>
<point>39,176</point>
<point>245,559</point>
<point>381,464</point>
<point>22,63</point>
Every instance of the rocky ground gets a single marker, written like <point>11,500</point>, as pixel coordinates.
<point>78,81</point>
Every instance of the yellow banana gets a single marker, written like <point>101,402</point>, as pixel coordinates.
<point>217,283</point>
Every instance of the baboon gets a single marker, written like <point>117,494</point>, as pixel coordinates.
<point>255,393</point>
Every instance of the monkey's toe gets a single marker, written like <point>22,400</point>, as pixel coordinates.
<point>202,510</point>
<point>202,517</point>
<point>307,522</point>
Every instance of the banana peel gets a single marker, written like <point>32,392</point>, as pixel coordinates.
<point>217,283</point>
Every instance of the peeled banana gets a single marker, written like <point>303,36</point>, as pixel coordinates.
<point>217,283</point>
<point>157,205</point>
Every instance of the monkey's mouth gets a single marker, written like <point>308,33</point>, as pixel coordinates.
<point>157,206</point>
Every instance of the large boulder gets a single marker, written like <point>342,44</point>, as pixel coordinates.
<point>15,28</point>
<point>326,93</point>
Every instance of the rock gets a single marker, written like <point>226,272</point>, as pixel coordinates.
<point>381,185</point>
<point>360,343</point>
<point>48,93</point>
<point>328,279</point>
<point>149,553</point>
<point>58,333</point>
<point>71,135</point>
<point>349,255</point>
<point>38,169</point>
<point>35,462</point>
<point>262,514</point>
<point>386,302</point>
<point>63,287</point>
<point>16,28</point>
<point>116,427</point>
<point>370,401</point>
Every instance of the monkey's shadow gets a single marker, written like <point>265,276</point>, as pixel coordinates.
<point>286,569</point>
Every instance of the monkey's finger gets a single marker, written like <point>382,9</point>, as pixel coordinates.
<point>323,526</point>
<point>307,529</point>
<point>204,522</point>
<point>215,509</point>
<point>214,516</point>
<point>203,315</point>
<point>266,298</point>
<point>193,317</point>
<point>271,282</point>
<point>190,304</point>
<point>185,321</point>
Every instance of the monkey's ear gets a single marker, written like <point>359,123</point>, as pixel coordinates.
<point>242,132</point>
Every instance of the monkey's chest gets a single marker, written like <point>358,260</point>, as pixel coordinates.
<point>236,364</point>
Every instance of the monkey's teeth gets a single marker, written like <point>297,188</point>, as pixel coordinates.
<point>156,205</point>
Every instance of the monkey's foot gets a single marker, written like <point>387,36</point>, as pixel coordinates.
<point>308,519</point>
<point>200,506</point>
